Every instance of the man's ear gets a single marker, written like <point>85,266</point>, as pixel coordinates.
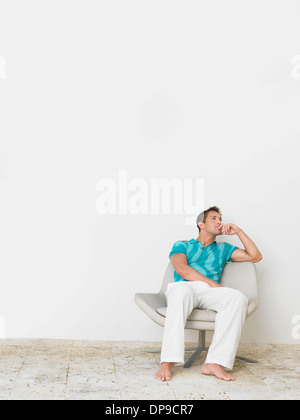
<point>201,225</point>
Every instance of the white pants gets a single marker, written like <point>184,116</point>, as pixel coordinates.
<point>231,307</point>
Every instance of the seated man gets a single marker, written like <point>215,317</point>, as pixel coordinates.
<point>198,265</point>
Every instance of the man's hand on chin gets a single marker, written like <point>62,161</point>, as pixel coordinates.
<point>230,229</point>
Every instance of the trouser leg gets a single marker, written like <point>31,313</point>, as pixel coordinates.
<point>181,301</point>
<point>231,306</point>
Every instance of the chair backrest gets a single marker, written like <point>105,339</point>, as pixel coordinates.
<point>169,278</point>
<point>241,276</point>
<point>238,275</point>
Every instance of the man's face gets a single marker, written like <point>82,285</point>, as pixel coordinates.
<point>213,224</point>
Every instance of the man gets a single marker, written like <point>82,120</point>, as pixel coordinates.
<point>198,265</point>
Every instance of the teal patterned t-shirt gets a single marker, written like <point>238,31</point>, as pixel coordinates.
<point>209,261</point>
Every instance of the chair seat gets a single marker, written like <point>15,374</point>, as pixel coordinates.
<point>207,315</point>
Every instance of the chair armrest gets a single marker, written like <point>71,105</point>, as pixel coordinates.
<point>149,302</point>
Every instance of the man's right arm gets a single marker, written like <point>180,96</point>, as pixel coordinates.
<point>188,273</point>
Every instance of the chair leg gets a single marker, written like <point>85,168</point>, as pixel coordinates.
<point>245,359</point>
<point>201,347</point>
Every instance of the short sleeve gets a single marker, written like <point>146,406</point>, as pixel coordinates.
<point>178,248</point>
<point>229,251</point>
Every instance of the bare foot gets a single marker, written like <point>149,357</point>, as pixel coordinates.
<point>216,370</point>
<point>164,372</point>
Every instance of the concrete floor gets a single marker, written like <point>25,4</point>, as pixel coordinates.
<point>68,370</point>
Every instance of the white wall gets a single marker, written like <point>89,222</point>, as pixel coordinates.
<point>160,89</point>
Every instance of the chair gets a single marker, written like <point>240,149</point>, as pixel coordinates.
<point>237,275</point>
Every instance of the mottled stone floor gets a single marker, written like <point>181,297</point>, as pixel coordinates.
<point>68,370</point>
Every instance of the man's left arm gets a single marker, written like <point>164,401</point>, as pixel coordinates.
<point>250,253</point>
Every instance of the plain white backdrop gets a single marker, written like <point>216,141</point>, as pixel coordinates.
<point>162,89</point>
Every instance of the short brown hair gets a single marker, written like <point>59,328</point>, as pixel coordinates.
<point>204,214</point>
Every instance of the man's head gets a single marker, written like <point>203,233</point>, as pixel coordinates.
<point>210,221</point>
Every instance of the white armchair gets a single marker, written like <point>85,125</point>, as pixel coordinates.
<point>237,275</point>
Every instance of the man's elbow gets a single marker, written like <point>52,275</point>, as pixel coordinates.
<point>259,258</point>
